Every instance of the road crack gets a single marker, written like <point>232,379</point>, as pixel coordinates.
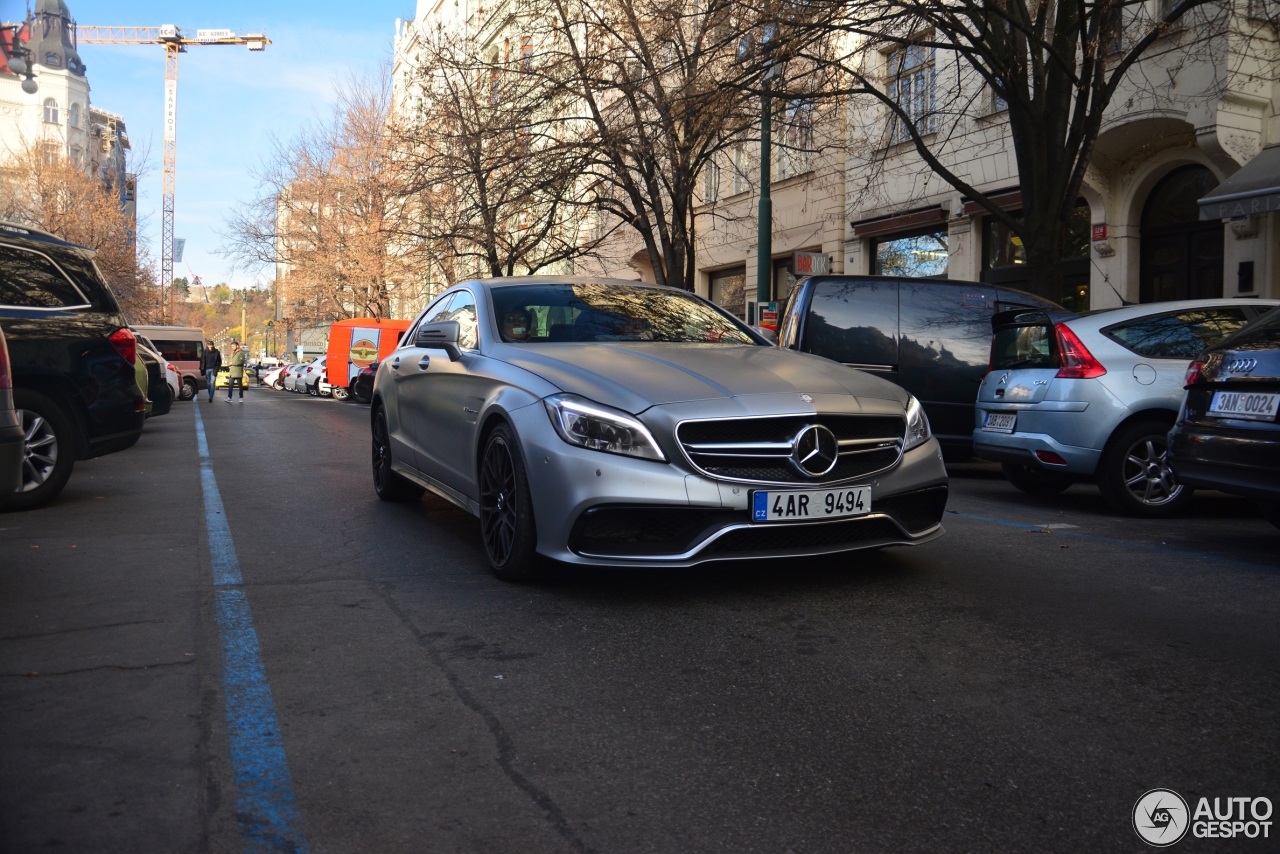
<point>33,674</point>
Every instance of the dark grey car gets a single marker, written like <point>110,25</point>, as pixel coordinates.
<point>623,424</point>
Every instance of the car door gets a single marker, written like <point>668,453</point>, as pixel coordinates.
<point>410,374</point>
<point>454,397</point>
<point>944,349</point>
<point>855,321</point>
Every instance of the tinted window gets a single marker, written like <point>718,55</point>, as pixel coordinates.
<point>180,351</point>
<point>855,322</point>
<point>945,325</point>
<point>529,314</point>
<point>463,310</point>
<point>1177,336</point>
<point>88,278</point>
<point>30,280</point>
<point>1032,345</point>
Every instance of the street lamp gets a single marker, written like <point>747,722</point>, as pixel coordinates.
<point>749,49</point>
<point>18,57</point>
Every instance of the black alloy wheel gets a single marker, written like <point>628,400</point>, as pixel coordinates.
<point>1035,481</point>
<point>506,510</point>
<point>1135,477</point>
<point>50,451</point>
<point>389,485</point>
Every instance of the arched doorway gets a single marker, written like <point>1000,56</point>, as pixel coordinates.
<point>1181,256</point>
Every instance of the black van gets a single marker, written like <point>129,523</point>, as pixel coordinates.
<point>930,336</point>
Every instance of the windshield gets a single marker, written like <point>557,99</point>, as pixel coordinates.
<point>529,314</point>
<point>1024,347</point>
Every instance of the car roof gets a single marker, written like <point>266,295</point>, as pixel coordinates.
<point>1146,309</point>
<point>27,232</point>
<point>509,281</point>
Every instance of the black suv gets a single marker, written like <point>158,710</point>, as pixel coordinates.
<point>72,357</point>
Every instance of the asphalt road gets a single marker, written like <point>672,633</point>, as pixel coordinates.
<point>1010,687</point>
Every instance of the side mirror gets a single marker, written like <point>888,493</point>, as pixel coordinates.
<point>441,335</point>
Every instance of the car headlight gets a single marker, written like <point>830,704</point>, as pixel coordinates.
<point>917,425</point>
<point>590,425</point>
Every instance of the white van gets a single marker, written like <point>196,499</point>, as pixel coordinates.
<point>182,347</point>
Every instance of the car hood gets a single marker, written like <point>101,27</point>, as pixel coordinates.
<point>634,376</point>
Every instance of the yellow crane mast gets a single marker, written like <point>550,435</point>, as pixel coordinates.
<point>175,42</point>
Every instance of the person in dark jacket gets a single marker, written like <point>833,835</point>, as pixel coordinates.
<point>210,363</point>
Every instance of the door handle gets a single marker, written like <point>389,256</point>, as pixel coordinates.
<point>424,363</point>
<point>395,363</point>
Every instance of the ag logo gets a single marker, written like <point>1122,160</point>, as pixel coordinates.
<point>1160,818</point>
<point>363,352</point>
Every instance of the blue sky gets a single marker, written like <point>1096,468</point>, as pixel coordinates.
<point>230,101</point>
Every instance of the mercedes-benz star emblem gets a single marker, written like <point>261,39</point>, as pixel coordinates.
<point>815,450</point>
<point>807,398</point>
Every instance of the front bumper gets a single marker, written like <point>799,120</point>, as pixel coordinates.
<point>568,482</point>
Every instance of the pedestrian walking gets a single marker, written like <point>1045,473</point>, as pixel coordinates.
<point>210,364</point>
<point>236,377</point>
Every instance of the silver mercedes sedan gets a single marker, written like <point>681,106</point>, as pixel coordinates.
<point>617,423</point>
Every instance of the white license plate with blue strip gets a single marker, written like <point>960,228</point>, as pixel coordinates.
<point>809,505</point>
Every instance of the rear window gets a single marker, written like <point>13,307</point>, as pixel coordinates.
<point>32,280</point>
<point>1024,346</point>
<point>1182,335</point>
<point>180,351</point>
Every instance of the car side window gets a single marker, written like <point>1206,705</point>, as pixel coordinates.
<point>854,321</point>
<point>1177,336</point>
<point>463,310</point>
<point>31,280</point>
<point>431,314</point>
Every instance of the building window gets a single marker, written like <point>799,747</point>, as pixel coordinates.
<point>795,153</point>
<point>996,103</point>
<point>739,167</point>
<point>526,54</point>
<point>711,182</point>
<point>1003,248</point>
<point>920,254</point>
<point>51,111</point>
<point>911,87</point>
<point>73,116</point>
<point>728,290</point>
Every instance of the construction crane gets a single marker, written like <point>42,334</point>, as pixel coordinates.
<point>174,42</point>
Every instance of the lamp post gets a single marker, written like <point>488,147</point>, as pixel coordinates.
<point>749,49</point>
<point>19,58</point>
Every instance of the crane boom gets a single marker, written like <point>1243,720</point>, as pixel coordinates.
<point>174,41</point>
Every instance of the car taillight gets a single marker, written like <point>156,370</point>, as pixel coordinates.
<point>308,370</point>
<point>1077,362</point>
<point>1193,372</point>
<point>126,345</point>
<point>6,377</point>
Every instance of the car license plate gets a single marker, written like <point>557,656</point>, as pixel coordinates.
<point>809,504</point>
<point>1252,406</point>
<point>1000,422</point>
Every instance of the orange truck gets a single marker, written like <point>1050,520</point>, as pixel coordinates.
<point>358,343</point>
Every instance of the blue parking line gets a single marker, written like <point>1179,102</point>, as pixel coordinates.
<point>265,804</point>
<point>1112,541</point>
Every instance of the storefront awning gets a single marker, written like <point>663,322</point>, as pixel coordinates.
<point>1255,189</point>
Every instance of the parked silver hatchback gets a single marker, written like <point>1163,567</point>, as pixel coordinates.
<point>1092,397</point>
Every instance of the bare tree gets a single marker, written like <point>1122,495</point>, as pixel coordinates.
<point>493,185</point>
<point>931,68</point>
<point>330,214</point>
<point>655,91</point>
<point>43,188</point>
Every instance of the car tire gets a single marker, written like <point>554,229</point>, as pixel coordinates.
<point>50,451</point>
<point>314,390</point>
<point>389,485</point>
<point>507,528</point>
<point>188,391</point>
<point>1270,511</point>
<point>1035,481</point>
<point>1134,474</point>
<point>339,393</point>
<point>277,385</point>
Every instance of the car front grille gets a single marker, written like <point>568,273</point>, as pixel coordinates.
<point>764,539</point>
<point>759,449</point>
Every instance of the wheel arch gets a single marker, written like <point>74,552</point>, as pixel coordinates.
<point>1152,413</point>
<point>67,398</point>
